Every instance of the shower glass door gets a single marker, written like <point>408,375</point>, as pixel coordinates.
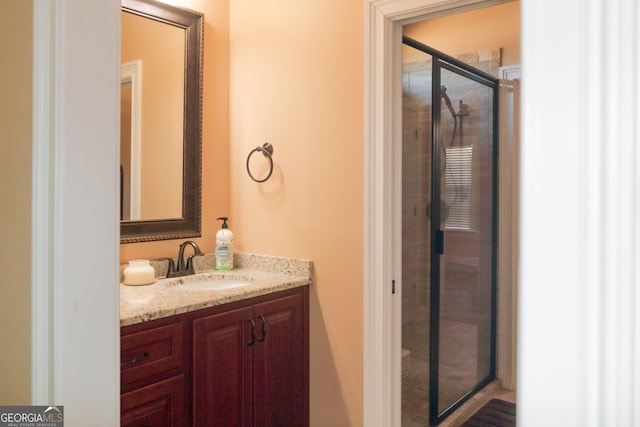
<point>449,223</point>
<point>464,286</point>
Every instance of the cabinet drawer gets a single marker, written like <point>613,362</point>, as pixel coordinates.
<point>151,352</point>
<point>160,404</point>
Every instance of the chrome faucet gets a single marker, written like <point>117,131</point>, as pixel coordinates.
<point>183,269</point>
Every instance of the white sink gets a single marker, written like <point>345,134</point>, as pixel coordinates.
<point>212,285</point>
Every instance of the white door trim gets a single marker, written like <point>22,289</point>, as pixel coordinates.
<point>41,257</point>
<point>75,229</point>
<point>578,323</point>
<point>382,256</point>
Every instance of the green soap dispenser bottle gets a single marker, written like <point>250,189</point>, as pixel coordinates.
<point>224,247</point>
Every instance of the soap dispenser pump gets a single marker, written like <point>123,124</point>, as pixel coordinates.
<point>224,247</point>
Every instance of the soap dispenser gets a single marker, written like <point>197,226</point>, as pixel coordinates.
<point>224,247</point>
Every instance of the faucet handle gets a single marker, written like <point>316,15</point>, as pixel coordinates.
<point>171,269</point>
<point>190,267</point>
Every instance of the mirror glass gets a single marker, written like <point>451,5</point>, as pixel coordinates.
<point>160,121</point>
<point>153,51</point>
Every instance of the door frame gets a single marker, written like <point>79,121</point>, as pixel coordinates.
<point>508,159</point>
<point>382,237</point>
<point>75,329</point>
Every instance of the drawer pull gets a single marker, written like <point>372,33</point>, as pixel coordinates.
<point>253,332</point>
<point>264,328</point>
<point>135,360</point>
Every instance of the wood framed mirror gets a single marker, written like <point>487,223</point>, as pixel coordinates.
<point>161,137</point>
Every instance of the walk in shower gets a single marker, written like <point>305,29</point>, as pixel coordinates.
<point>449,208</point>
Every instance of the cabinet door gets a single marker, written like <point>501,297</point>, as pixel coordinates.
<point>280,363</point>
<point>160,404</point>
<point>222,369</point>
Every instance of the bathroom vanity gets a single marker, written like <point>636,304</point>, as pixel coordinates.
<point>235,357</point>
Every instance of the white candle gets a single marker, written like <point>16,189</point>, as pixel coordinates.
<point>139,272</point>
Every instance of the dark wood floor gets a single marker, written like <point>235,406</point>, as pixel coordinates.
<point>494,413</point>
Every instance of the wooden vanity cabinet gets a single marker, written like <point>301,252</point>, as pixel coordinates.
<point>161,404</point>
<point>153,374</point>
<point>250,365</point>
<point>244,364</point>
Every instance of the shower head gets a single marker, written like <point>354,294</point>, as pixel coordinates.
<point>443,95</point>
<point>463,110</point>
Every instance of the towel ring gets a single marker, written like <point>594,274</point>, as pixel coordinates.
<point>267,151</point>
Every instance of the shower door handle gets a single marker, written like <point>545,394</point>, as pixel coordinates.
<point>439,242</point>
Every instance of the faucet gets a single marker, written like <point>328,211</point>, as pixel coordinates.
<point>188,268</point>
<point>183,269</point>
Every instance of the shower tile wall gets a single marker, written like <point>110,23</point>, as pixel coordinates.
<point>416,189</point>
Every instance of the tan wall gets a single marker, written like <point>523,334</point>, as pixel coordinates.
<point>15,191</point>
<point>297,82</point>
<point>487,28</point>
<point>215,132</point>
<point>299,86</point>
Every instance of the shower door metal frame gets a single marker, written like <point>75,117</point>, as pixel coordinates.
<point>444,61</point>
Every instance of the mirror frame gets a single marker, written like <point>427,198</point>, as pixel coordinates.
<point>189,224</point>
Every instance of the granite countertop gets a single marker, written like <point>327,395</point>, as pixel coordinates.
<point>163,298</point>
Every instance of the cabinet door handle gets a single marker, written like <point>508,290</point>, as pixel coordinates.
<point>264,328</point>
<point>253,332</point>
<point>135,360</point>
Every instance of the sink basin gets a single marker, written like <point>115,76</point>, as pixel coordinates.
<point>213,285</point>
